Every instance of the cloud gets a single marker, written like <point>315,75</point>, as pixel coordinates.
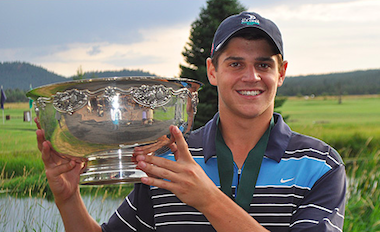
<point>348,12</point>
<point>328,37</point>
<point>158,52</point>
<point>94,51</point>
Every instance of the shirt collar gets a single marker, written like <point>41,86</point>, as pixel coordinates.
<point>277,144</point>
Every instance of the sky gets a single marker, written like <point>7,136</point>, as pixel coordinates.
<point>319,37</point>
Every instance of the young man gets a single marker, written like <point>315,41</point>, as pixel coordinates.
<point>245,170</point>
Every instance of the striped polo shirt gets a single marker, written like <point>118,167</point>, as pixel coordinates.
<point>300,187</point>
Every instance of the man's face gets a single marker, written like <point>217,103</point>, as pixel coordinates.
<point>247,78</point>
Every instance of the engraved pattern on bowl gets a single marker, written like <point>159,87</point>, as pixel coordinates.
<point>100,119</point>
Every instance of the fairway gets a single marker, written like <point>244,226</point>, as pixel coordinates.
<point>321,117</point>
<point>324,118</point>
<point>17,135</point>
<point>352,127</point>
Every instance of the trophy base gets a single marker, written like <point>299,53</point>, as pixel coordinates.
<point>111,167</point>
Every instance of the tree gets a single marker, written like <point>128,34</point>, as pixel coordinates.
<point>198,49</point>
<point>80,74</point>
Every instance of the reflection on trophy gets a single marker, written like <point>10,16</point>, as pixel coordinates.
<point>101,120</point>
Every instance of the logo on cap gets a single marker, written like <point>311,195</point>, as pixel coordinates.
<point>251,20</point>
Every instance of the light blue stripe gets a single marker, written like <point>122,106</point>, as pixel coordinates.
<point>211,168</point>
<point>302,172</point>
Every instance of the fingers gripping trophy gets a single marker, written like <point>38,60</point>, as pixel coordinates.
<point>100,121</point>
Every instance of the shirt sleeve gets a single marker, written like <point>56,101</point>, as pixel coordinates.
<point>134,214</point>
<point>322,209</point>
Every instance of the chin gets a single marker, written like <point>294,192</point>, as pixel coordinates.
<point>253,114</point>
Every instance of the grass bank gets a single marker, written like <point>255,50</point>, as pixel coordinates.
<point>351,127</point>
<point>22,171</point>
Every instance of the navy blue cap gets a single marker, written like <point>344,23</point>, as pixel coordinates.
<point>235,23</point>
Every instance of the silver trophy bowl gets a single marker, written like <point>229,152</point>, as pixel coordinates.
<point>100,121</point>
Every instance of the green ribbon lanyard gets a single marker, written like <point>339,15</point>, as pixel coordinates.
<point>251,169</point>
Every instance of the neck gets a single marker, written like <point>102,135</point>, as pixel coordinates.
<point>241,135</point>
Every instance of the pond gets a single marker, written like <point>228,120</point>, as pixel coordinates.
<point>36,214</point>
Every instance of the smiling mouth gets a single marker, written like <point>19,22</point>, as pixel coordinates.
<point>249,93</point>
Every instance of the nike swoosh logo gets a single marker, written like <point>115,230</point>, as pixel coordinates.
<point>287,180</point>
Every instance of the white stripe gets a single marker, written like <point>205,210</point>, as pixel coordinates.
<point>305,157</point>
<point>339,214</point>
<point>163,195</point>
<point>182,223</point>
<point>278,195</point>
<point>274,204</point>
<point>271,214</point>
<point>177,213</point>
<point>275,224</point>
<point>130,204</point>
<point>307,149</point>
<point>283,186</point>
<point>336,227</point>
<point>333,159</point>
<point>308,157</point>
<point>314,206</point>
<point>145,224</point>
<point>168,204</point>
<point>195,149</point>
<point>125,222</point>
<point>302,221</point>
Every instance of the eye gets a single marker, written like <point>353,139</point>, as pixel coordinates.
<point>235,64</point>
<point>264,66</point>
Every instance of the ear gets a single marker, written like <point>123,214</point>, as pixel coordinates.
<point>282,73</point>
<point>211,72</point>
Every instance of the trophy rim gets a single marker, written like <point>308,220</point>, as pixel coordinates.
<point>43,90</point>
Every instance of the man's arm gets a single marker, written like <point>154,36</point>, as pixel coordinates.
<point>322,209</point>
<point>63,178</point>
<point>191,185</point>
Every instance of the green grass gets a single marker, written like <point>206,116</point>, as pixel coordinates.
<point>325,116</point>
<point>348,127</point>
<point>21,167</point>
<point>15,134</point>
<point>363,206</point>
<point>351,127</point>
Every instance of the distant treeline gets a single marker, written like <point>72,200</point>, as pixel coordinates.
<point>122,73</point>
<point>16,78</point>
<point>20,75</point>
<point>349,83</point>
<point>15,95</point>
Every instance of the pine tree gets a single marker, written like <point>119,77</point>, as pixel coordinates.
<point>198,49</point>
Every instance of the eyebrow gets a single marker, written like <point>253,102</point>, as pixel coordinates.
<point>267,59</point>
<point>233,58</point>
<point>263,58</point>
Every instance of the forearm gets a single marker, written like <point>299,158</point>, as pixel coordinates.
<point>75,216</point>
<point>226,215</point>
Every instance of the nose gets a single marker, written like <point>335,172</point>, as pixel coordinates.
<point>251,75</point>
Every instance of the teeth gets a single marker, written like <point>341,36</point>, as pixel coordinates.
<point>250,93</point>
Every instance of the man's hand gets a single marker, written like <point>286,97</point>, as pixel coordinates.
<point>187,180</point>
<point>62,172</point>
<point>63,177</point>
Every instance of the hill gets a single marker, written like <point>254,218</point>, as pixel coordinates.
<point>347,83</point>
<point>20,75</point>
